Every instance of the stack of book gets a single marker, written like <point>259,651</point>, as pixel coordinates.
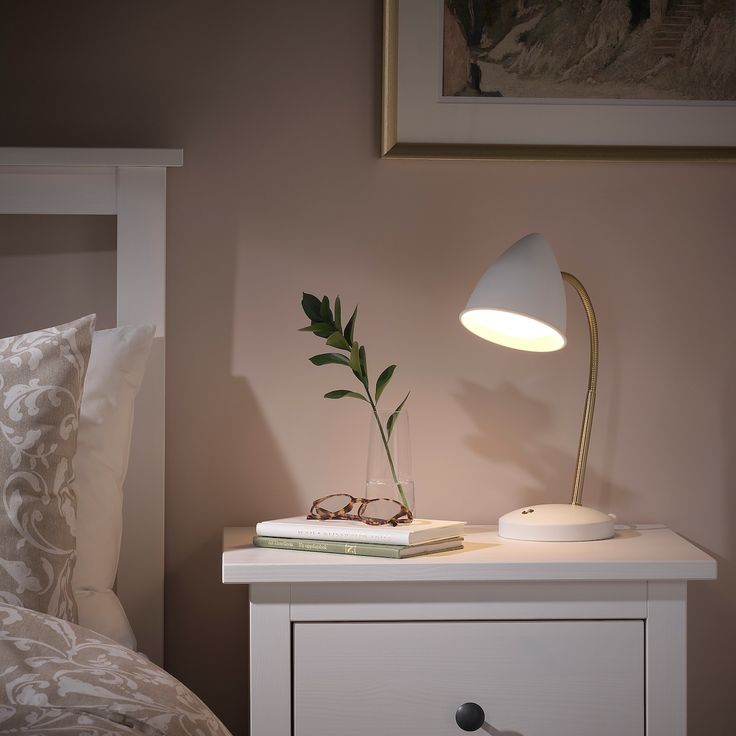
<point>420,537</point>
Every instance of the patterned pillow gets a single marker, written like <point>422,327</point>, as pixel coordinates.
<point>57,678</point>
<point>41,380</point>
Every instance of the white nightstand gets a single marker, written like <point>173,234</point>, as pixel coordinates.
<point>548,638</point>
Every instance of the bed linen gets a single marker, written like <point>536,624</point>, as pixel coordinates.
<point>117,364</point>
<point>60,678</point>
<point>41,380</point>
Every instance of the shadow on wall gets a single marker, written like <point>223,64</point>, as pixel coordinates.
<point>223,467</point>
<point>510,427</point>
<point>69,259</point>
<point>247,481</point>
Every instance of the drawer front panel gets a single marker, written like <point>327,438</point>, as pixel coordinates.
<point>532,678</point>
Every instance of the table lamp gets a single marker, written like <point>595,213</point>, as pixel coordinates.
<point>520,303</point>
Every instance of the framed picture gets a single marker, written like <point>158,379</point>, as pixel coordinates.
<point>560,79</point>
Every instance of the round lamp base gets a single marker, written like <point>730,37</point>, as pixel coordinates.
<point>556,522</point>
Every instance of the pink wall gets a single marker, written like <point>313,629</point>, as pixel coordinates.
<point>277,108</point>
<point>66,262</point>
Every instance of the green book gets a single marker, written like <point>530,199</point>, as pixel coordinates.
<point>395,551</point>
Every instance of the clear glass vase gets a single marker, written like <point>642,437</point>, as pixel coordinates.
<point>389,473</point>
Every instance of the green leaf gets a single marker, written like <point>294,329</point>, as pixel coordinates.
<point>311,306</point>
<point>363,364</point>
<point>392,419</point>
<point>355,359</point>
<point>336,340</point>
<point>338,315</point>
<point>350,327</point>
<point>329,359</point>
<point>317,327</point>
<point>325,313</point>
<point>341,393</point>
<point>383,380</point>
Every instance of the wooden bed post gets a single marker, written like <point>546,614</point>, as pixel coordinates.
<point>141,298</point>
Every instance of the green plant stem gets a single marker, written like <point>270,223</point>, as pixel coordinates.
<point>388,451</point>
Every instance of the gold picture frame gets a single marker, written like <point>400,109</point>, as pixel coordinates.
<point>392,147</point>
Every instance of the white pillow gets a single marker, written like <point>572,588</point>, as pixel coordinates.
<point>115,373</point>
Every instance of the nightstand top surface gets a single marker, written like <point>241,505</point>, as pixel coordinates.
<point>637,552</point>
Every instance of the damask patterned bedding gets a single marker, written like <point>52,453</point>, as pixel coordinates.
<point>59,678</point>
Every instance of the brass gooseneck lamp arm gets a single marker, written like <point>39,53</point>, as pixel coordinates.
<point>577,490</point>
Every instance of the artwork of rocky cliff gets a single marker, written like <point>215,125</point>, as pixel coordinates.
<point>594,49</point>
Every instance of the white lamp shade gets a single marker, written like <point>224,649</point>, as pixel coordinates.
<point>520,301</point>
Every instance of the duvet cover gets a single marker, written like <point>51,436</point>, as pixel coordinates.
<point>59,678</point>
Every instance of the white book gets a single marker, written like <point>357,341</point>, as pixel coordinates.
<point>419,530</point>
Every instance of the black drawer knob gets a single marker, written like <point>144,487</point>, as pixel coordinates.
<point>470,716</point>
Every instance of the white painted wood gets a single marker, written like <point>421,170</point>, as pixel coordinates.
<point>666,658</point>
<point>129,183</point>
<point>76,157</point>
<point>141,247</point>
<point>140,579</point>
<point>57,192</point>
<point>141,297</point>
<point>467,601</point>
<point>534,678</point>
<point>363,661</point>
<point>633,554</point>
<point>270,661</point>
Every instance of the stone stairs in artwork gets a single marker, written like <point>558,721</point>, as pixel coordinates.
<point>668,35</point>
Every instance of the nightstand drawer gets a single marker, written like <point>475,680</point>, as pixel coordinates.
<point>532,678</point>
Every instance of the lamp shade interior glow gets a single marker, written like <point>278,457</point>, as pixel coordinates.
<point>519,301</point>
<point>513,330</point>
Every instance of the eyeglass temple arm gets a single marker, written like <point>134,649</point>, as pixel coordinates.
<point>577,489</point>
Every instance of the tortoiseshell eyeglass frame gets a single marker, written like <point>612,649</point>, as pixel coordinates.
<point>403,516</point>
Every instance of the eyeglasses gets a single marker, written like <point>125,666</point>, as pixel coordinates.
<point>373,511</point>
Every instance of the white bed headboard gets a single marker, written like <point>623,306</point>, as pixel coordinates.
<point>131,184</point>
